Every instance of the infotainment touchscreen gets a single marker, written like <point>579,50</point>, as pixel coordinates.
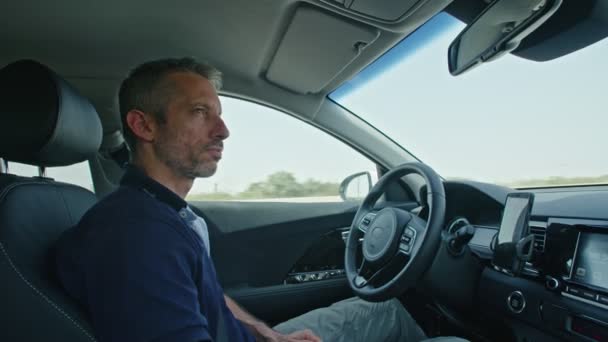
<point>591,260</point>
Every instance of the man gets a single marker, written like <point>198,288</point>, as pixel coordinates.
<point>139,260</point>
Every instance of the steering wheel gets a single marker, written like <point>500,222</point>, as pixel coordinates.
<point>394,238</point>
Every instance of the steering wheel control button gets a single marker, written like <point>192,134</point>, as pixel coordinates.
<point>365,221</point>
<point>407,240</point>
<point>409,236</point>
<point>409,232</point>
<point>516,302</point>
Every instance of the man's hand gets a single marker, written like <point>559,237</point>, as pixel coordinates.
<point>304,335</point>
<point>263,332</point>
<point>269,335</point>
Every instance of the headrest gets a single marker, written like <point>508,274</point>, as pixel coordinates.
<point>43,120</point>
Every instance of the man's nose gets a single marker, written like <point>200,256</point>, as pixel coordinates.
<point>221,130</point>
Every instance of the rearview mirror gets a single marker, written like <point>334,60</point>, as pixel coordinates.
<point>356,187</point>
<point>497,30</point>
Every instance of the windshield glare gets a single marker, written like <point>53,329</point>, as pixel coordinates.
<point>512,121</point>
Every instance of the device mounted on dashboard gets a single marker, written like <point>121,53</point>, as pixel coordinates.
<point>513,245</point>
<point>511,257</point>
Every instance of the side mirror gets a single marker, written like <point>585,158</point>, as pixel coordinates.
<point>497,30</point>
<point>355,187</point>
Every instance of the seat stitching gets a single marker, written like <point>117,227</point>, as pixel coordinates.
<point>65,204</point>
<point>42,294</point>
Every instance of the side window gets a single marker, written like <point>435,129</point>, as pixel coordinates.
<point>271,156</point>
<point>78,174</point>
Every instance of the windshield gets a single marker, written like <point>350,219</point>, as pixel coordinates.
<point>512,121</point>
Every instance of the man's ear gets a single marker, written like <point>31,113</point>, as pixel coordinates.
<point>142,125</point>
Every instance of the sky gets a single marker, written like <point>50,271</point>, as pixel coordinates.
<point>511,119</point>
<point>507,120</point>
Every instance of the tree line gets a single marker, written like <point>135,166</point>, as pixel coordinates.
<point>283,184</point>
<point>280,184</point>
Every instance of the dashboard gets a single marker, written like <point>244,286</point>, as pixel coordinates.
<point>562,291</point>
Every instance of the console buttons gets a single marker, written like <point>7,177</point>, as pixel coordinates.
<point>574,291</point>
<point>583,293</point>
<point>516,302</point>
<point>602,299</point>
<point>588,295</point>
<point>409,232</point>
<point>406,239</point>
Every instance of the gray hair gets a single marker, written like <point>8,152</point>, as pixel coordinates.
<point>146,88</point>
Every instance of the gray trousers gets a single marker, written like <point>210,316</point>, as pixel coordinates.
<point>354,320</point>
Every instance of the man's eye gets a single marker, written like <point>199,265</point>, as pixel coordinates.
<point>200,110</point>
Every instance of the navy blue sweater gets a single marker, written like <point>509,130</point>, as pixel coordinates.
<point>141,273</point>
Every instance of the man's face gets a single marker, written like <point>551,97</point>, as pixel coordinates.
<point>190,142</point>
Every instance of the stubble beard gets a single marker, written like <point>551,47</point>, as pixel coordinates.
<point>184,161</point>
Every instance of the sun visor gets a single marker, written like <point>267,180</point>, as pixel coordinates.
<point>388,10</point>
<point>316,48</point>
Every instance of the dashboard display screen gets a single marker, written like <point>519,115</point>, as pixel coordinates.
<point>514,218</point>
<point>591,260</point>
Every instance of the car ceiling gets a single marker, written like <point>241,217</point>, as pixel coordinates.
<point>93,44</point>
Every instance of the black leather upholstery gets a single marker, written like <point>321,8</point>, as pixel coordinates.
<point>43,120</point>
<point>45,129</point>
<point>33,213</point>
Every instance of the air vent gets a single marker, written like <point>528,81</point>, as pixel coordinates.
<point>539,229</point>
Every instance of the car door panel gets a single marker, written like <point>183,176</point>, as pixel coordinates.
<point>255,246</point>
<point>264,241</point>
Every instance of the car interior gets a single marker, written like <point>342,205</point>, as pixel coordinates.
<point>483,261</point>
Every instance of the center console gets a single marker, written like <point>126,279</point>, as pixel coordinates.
<point>552,275</point>
<point>575,260</point>
<point>574,265</point>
